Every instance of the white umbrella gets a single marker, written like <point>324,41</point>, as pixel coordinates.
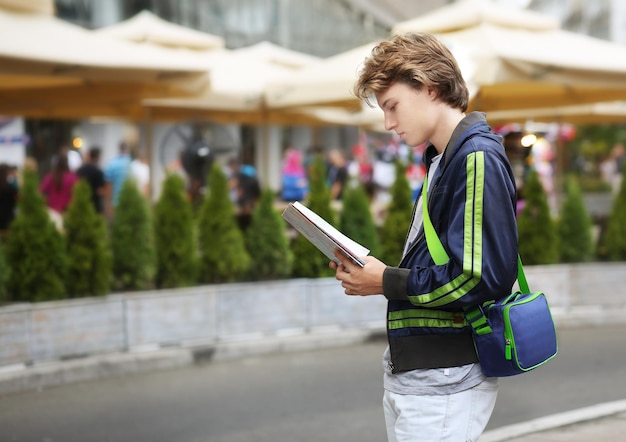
<point>59,69</point>
<point>146,27</point>
<point>516,59</point>
<point>511,59</point>
<point>590,113</point>
<point>238,81</point>
<point>328,82</point>
<point>38,6</point>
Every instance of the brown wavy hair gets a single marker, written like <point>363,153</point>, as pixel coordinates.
<point>417,59</point>
<point>59,169</point>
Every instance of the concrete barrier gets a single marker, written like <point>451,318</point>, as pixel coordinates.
<point>213,315</point>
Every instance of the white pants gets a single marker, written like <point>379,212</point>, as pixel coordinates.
<point>458,417</point>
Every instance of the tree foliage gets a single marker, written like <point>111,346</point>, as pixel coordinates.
<point>614,238</point>
<point>5,271</point>
<point>574,226</point>
<point>175,236</point>
<point>397,219</point>
<point>223,254</point>
<point>132,241</point>
<point>309,262</point>
<point>35,248</point>
<point>89,257</point>
<point>538,239</point>
<point>267,241</point>
<point>357,221</point>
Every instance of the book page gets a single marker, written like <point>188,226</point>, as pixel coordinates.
<point>323,235</point>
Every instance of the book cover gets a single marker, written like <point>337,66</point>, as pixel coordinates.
<point>323,235</point>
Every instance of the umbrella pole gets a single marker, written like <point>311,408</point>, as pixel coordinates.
<point>559,171</point>
<point>148,149</point>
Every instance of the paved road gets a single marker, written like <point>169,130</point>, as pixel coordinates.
<point>324,395</point>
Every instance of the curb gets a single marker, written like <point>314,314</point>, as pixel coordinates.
<point>554,421</point>
<point>22,377</point>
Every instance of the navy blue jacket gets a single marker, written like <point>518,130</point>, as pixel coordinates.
<point>471,204</point>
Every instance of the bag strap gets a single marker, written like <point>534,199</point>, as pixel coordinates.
<point>474,315</point>
<point>438,253</point>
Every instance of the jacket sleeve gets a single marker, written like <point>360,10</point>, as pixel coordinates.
<point>479,232</point>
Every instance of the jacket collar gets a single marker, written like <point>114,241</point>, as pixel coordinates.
<point>470,120</point>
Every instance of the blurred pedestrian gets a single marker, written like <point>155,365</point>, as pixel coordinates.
<point>115,174</point>
<point>337,173</point>
<point>384,172</point>
<point>91,172</point>
<point>8,198</point>
<point>294,179</point>
<point>58,184</point>
<point>140,172</point>
<point>360,169</point>
<point>618,155</point>
<point>249,194</point>
<point>74,157</point>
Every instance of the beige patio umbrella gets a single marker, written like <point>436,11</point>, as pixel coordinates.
<point>238,81</point>
<point>516,59</point>
<point>237,77</point>
<point>590,113</point>
<point>511,59</point>
<point>39,6</point>
<point>57,69</point>
<point>146,27</point>
<point>327,83</point>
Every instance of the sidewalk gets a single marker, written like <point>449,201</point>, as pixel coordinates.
<point>599,422</point>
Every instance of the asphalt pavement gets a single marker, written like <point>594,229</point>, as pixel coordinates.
<point>599,422</point>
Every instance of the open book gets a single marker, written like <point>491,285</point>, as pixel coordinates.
<point>322,235</point>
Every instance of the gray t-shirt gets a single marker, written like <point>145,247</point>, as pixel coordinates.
<point>436,381</point>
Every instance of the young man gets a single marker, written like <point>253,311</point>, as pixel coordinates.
<point>434,387</point>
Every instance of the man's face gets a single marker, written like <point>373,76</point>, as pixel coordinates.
<point>409,112</point>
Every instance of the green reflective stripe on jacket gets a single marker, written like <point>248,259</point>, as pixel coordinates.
<point>425,318</point>
<point>472,239</point>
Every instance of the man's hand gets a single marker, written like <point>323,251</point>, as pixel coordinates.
<point>357,280</point>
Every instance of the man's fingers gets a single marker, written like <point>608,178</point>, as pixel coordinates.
<point>342,258</point>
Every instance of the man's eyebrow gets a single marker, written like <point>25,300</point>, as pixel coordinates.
<point>384,104</point>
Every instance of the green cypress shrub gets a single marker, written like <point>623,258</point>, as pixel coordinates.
<point>267,241</point>
<point>132,241</point>
<point>357,221</point>
<point>175,236</point>
<point>309,262</point>
<point>397,219</point>
<point>89,255</point>
<point>35,248</point>
<point>614,243</point>
<point>538,240</point>
<point>5,271</point>
<point>574,226</point>
<point>223,254</point>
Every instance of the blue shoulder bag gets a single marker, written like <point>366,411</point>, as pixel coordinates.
<point>513,334</point>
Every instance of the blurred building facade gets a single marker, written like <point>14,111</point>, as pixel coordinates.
<point>318,27</point>
<point>324,27</point>
<point>604,19</point>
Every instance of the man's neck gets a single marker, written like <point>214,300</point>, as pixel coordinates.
<point>448,121</point>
